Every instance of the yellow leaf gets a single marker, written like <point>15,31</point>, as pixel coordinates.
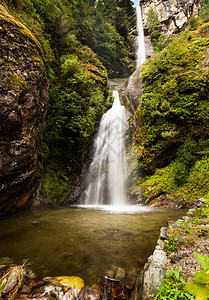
<point>199,298</point>
<point>73,281</point>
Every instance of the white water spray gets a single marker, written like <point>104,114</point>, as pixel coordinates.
<point>140,53</point>
<point>107,173</point>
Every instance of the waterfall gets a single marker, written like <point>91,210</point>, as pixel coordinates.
<point>140,53</point>
<point>107,172</point>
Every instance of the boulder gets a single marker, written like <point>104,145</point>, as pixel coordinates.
<point>151,276</point>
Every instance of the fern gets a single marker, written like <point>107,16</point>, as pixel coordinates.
<point>203,261</point>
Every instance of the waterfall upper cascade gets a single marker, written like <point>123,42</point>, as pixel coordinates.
<point>140,53</point>
<point>107,172</point>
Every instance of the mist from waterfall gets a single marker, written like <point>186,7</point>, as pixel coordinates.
<point>107,172</point>
<point>140,53</point>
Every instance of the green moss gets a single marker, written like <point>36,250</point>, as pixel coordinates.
<point>195,187</point>
<point>6,17</point>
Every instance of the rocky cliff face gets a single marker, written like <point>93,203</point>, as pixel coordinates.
<point>23,106</point>
<point>173,15</point>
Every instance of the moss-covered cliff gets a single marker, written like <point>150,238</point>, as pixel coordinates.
<point>23,107</point>
<point>172,120</point>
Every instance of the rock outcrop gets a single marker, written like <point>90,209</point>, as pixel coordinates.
<point>173,15</point>
<point>23,107</point>
<point>131,91</point>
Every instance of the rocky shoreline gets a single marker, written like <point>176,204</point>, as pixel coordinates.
<point>175,250</point>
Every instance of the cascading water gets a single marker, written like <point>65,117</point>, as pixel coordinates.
<point>107,171</point>
<point>140,53</point>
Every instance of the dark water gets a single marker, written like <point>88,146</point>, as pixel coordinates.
<point>82,242</point>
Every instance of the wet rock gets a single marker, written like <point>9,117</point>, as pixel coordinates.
<point>30,285</point>
<point>113,289</point>
<point>109,273</point>
<point>92,293</point>
<point>132,274</point>
<point>131,91</point>
<point>121,273</point>
<point>163,233</point>
<point>56,292</point>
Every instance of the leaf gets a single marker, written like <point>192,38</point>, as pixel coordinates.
<point>202,277</point>
<point>162,287</point>
<point>3,283</point>
<point>203,261</point>
<point>190,297</point>
<point>200,291</point>
<point>176,273</point>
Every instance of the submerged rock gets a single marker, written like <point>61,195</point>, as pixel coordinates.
<point>121,273</point>
<point>23,107</point>
<point>92,293</point>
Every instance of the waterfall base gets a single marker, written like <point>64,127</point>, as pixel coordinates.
<point>117,209</point>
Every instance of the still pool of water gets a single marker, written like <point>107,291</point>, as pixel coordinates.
<point>84,242</point>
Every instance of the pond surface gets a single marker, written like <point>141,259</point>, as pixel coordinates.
<point>83,242</point>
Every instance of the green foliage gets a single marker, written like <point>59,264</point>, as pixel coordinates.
<point>203,262</point>
<point>201,212</point>
<point>170,244</point>
<point>204,10</point>
<point>154,30</point>
<point>55,184</point>
<point>185,158</point>
<point>174,103</point>
<point>121,23</point>
<point>195,187</point>
<point>172,287</point>
<point>199,287</point>
<point>104,30</point>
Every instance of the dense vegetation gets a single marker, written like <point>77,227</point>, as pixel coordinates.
<point>81,43</point>
<point>173,114</point>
